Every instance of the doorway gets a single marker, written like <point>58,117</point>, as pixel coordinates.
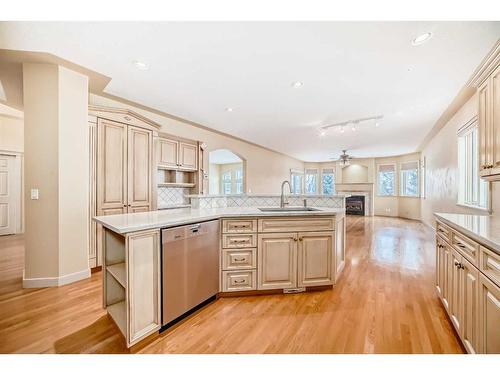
<point>10,194</point>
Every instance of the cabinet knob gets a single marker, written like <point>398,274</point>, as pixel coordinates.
<point>294,238</point>
<point>300,239</point>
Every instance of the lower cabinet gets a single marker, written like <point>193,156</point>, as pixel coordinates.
<point>291,260</point>
<point>489,318</point>
<point>471,299</point>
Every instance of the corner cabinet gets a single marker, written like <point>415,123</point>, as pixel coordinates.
<point>489,127</point>
<point>469,296</point>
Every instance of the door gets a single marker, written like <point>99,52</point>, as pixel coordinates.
<point>485,136</point>
<point>168,151</point>
<point>455,288</point>
<point>470,306</point>
<point>139,168</point>
<point>10,194</point>
<point>277,261</point>
<point>188,156</point>
<point>315,259</point>
<point>489,316</point>
<point>111,165</point>
<point>495,116</point>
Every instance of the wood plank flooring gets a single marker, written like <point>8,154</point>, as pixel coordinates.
<point>385,302</point>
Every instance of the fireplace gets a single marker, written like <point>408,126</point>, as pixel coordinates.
<point>355,205</point>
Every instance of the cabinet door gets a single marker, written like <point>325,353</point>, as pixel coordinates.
<point>455,287</point>
<point>188,156</point>
<point>495,116</point>
<point>440,270</point>
<point>143,281</point>
<point>489,316</point>
<point>470,306</point>
<point>111,165</point>
<point>277,261</point>
<point>316,259</point>
<point>139,167</point>
<point>485,135</point>
<point>168,153</point>
<point>445,266</point>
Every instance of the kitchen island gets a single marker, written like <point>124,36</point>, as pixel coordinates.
<point>259,251</point>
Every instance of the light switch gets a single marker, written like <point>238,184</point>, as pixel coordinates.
<point>34,194</point>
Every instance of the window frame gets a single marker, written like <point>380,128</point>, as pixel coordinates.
<point>315,173</point>
<point>300,173</point>
<point>402,179</point>
<point>334,191</point>
<point>468,141</point>
<point>395,183</point>
<point>233,181</point>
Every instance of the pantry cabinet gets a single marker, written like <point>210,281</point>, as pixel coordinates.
<point>489,126</point>
<point>470,297</point>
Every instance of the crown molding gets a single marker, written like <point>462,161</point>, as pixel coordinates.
<point>487,66</point>
<point>124,114</point>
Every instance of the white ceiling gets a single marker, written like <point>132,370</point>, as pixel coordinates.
<point>223,157</point>
<point>349,69</point>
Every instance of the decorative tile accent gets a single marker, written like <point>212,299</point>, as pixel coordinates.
<point>168,196</point>
<point>265,201</point>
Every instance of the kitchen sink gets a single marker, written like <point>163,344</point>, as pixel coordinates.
<point>287,209</point>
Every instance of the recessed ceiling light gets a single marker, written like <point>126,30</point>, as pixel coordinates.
<point>297,84</point>
<point>322,132</point>
<point>377,124</point>
<point>229,109</point>
<point>421,39</point>
<point>141,65</point>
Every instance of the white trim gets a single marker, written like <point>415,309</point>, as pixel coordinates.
<point>44,282</point>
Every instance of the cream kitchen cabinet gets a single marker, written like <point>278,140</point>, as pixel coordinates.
<point>471,299</point>
<point>489,318</point>
<point>131,279</point>
<point>277,261</point>
<point>315,259</point>
<point>177,154</point>
<point>489,126</point>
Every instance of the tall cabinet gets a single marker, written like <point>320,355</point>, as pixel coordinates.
<point>489,120</point>
<point>122,168</point>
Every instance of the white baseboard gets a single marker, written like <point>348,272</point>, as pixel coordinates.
<point>46,282</point>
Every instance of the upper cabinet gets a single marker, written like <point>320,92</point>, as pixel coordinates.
<point>177,154</point>
<point>489,126</point>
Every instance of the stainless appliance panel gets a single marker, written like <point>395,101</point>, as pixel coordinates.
<point>190,267</point>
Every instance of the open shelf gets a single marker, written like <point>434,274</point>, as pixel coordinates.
<point>177,184</point>
<point>118,272</point>
<point>118,312</point>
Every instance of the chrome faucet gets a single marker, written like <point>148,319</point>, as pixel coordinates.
<point>283,201</point>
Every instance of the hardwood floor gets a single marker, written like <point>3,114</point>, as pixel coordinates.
<point>385,302</point>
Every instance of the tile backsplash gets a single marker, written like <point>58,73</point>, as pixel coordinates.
<point>168,196</point>
<point>335,201</point>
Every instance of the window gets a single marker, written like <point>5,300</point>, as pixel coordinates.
<point>232,181</point>
<point>311,181</point>
<point>328,181</point>
<point>409,179</point>
<point>472,191</point>
<point>386,180</point>
<point>296,180</point>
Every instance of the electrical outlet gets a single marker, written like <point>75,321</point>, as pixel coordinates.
<point>34,194</point>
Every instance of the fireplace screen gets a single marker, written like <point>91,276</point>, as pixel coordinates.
<point>355,205</point>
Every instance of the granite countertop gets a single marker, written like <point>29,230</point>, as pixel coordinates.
<point>484,229</point>
<point>126,223</point>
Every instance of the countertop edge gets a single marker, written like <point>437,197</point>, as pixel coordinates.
<point>208,217</point>
<point>479,239</point>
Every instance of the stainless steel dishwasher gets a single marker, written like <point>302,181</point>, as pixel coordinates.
<point>190,267</point>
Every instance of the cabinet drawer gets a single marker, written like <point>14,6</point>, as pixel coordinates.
<point>443,231</point>
<point>234,241</point>
<point>490,264</point>
<point>239,226</point>
<point>233,281</point>
<point>465,246</point>
<point>274,225</point>
<point>239,259</point>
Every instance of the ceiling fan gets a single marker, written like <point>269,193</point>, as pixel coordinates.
<point>344,159</point>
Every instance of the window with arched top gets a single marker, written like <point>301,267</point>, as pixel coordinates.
<point>226,173</point>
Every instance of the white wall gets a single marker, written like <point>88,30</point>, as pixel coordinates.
<point>441,158</point>
<point>11,134</point>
